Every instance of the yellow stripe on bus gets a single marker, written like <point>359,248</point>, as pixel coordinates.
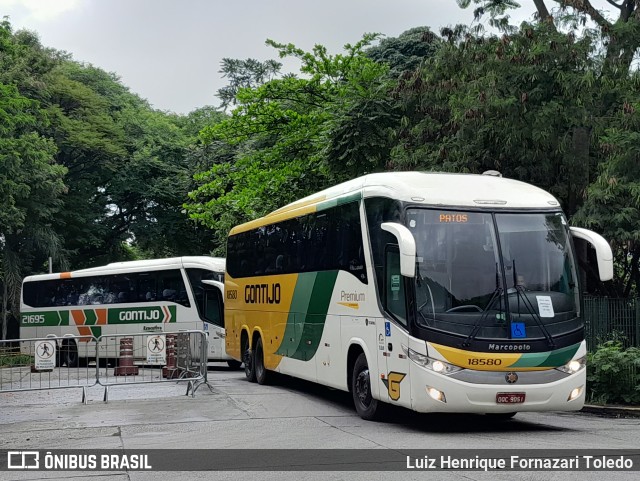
<point>481,361</point>
<point>274,218</point>
<point>298,205</point>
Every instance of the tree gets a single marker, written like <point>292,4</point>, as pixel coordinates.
<point>30,189</point>
<point>244,74</point>
<point>618,27</point>
<point>608,201</point>
<point>406,51</point>
<point>279,137</point>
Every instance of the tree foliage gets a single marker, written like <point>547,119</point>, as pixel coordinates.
<point>275,146</point>
<point>89,172</point>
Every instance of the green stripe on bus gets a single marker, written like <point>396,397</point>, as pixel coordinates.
<point>136,315</point>
<point>96,331</point>
<point>297,312</point>
<point>90,317</point>
<point>562,356</point>
<point>339,201</point>
<point>46,318</point>
<point>316,315</point>
<point>531,359</point>
<point>547,359</point>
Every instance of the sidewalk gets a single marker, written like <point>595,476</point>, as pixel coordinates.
<point>617,411</point>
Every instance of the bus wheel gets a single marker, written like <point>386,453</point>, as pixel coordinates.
<point>367,407</point>
<point>249,360</point>
<point>233,364</point>
<point>69,354</point>
<point>262,374</point>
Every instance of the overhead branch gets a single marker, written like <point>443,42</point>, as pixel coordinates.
<point>585,7</point>
<point>617,5</point>
<point>543,13</point>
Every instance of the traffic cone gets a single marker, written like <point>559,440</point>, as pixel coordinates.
<point>170,370</point>
<point>125,362</point>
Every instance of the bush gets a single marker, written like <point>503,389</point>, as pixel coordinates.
<point>613,374</point>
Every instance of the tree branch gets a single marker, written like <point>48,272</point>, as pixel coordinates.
<point>584,6</point>
<point>543,12</point>
<point>618,6</point>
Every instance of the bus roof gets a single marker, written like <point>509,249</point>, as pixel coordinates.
<point>214,263</point>
<point>426,188</point>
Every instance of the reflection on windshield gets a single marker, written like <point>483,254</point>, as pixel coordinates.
<point>463,283</point>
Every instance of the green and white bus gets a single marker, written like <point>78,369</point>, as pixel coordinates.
<point>148,296</point>
<point>436,292</point>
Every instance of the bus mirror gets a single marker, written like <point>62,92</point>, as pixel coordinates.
<point>604,255</point>
<point>407,246</point>
<point>217,284</point>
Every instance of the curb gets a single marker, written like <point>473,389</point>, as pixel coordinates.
<point>613,411</point>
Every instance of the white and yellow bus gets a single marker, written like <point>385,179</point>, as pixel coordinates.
<point>148,296</point>
<point>436,292</point>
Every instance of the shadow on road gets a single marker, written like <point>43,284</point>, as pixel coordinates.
<point>428,423</point>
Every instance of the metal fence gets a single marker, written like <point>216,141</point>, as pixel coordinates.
<point>612,319</point>
<point>113,360</point>
<point>32,364</point>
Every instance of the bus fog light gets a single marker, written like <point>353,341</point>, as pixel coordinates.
<point>435,394</point>
<point>575,393</point>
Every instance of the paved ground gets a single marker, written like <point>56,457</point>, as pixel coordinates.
<point>290,414</point>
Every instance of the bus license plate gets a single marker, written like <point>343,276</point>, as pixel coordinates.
<point>510,397</point>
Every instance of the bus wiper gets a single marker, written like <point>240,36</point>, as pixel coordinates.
<point>480,322</point>
<point>520,292</point>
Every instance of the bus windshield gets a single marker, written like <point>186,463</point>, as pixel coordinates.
<point>494,275</point>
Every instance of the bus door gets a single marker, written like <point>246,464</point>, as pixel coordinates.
<point>213,323</point>
<point>393,361</point>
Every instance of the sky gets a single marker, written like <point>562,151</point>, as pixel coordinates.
<point>169,51</point>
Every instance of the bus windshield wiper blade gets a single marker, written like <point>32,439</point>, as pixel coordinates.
<point>520,292</point>
<point>479,323</point>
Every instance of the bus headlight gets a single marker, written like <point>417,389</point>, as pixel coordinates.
<point>435,365</point>
<point>574,365</point>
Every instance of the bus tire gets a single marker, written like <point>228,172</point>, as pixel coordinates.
<point>233,364</point>
<point>262,374</point>
<point>69,354</point>
<point>249,362</point>
<point>366,407</point>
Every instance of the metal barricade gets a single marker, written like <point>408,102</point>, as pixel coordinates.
<point>126,359</point>
<point>51,362</point>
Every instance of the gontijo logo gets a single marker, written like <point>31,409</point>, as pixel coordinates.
<point>140,315</point>
<point>262,293</point>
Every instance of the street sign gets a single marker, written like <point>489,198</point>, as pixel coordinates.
<point>157,350</point>
<point>45,355</point>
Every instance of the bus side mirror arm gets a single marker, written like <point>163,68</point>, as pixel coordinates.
<point>407,246</point>
<point>218,284</point>
<point>603,251</point>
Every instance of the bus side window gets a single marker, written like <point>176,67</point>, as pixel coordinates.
<point>213,306</point>
<point>394,292</point>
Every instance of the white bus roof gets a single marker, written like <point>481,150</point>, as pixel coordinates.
<point>426,188</point>
<point>216,264</point>
<point>440,189</point>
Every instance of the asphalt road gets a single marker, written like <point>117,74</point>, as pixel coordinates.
<point>289,414</point>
